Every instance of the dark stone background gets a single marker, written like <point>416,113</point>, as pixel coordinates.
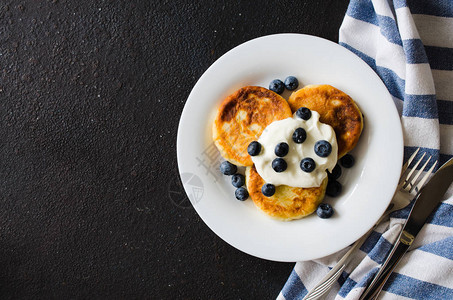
<point>90,98</point>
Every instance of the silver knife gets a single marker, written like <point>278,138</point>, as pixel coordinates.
<point>425,202</point>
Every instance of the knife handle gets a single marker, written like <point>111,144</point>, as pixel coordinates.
<point>403,243</point>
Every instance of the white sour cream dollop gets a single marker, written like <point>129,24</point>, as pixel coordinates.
<point>282,131</point>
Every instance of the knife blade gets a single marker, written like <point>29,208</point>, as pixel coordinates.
<point>426,201</point>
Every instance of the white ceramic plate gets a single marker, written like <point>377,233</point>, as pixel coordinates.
<point>367,187</point>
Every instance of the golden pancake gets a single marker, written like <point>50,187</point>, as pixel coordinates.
<point>242,118</point>
<point>288,203</point>
<point>336,108</point>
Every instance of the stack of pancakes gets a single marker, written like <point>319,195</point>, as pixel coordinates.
<point>242,117</point>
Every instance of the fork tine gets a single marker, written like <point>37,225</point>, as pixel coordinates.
<point>405,182</point>
<point>329,282</point>
<point>420,171</point>
<point>408,162</point>
<point>423,180</point>
<point>325,286</point>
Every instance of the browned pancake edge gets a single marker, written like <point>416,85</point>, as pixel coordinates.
<point>288,203</point>
<point>242,117</point>
<point>336,109</point>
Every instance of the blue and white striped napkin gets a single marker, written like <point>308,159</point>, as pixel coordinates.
<point>409,44</point>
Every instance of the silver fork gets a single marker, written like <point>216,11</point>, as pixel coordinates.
<point>406,190</point>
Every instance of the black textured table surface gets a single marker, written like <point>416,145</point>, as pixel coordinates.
<point>91,92</point>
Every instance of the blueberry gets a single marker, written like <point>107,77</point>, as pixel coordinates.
<point>336,172</point>
<point>268,189</point>
<point>291,83</point>
<point>299,135</point>
<point>254,148</point>
<point>304,113</point>
<point>277,86</point>
<point>241,194</point>
<point>307,164</point>
<point>237,180</point>
<point>281,149</point>
<point>228,168</point>
<point>347,161</point>
<point>323,148</point>
<point>324,211</point>
<point>279,165</point>
<point>333,188</point>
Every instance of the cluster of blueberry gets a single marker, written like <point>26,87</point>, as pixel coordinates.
<point>322,148</point>
<point>291,83</point>
<point>278,164</point>
<point>237,180</point>
<point>334,188</point>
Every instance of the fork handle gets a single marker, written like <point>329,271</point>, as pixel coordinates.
<point>345,259</point>
<point>340,264</point>
<point>385,271</point>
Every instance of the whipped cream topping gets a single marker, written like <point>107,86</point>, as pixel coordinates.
<point>282,131</point>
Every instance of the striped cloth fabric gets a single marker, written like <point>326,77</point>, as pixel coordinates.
<point>409,44</point>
